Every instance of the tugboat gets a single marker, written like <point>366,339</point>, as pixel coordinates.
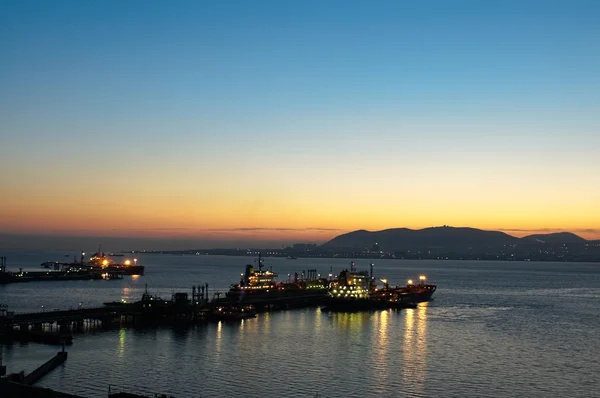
<point>418,293</point>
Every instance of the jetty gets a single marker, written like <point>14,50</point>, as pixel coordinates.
<point>61,272</point>
<point>21,385</point>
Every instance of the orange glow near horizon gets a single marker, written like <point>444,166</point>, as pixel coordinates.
<point>289,127</point>
<point>306,209</point>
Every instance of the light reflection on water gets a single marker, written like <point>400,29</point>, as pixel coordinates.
<point>121,348</point>
<point>414,348</point>
<point>486,334</point>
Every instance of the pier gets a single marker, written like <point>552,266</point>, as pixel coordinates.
<point>67,272</point>
<point>21,385</point>
<point>57,327</point>
<point>46,368</point>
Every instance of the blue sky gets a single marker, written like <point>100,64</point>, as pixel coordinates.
<point>208,91</point>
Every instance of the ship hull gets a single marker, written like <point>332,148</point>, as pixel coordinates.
<point>352,305</point>
<point>122,269</point>
<point>252,297</point>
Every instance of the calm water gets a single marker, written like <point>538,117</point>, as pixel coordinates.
<point>495,329</point>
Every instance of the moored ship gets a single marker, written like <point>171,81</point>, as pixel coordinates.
<point>357,291</point>
<point>260,285</point>
<point>101,262</point>
<point>354,291</point>
<point>417,292</point>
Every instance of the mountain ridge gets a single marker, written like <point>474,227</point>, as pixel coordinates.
<point>398,239</point>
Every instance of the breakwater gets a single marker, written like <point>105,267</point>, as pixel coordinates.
<point>46,368</point>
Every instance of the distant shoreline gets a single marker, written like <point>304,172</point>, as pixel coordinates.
<point>235,253</point>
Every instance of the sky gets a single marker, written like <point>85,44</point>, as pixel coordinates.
<point>295,121</point>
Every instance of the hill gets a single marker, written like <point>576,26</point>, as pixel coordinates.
<point>554,238</point>
<point>398,239</point>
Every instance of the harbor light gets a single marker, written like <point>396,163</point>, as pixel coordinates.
<point>410,281</point>
<point>127,262</point>
<point>105,263</point>
<point>422,278</point>
<point>135,261</point>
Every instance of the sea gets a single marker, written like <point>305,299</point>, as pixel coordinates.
<point>494,329</point>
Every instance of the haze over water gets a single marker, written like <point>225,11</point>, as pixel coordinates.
<point>495,329</point>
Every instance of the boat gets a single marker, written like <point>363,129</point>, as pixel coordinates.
<point>261,285</point>
<point>357,291</point>
<point>232,313</point>
<point>416,292</point>
<point>352,292</point>
<point>51,264</point>
<point>101,262</point>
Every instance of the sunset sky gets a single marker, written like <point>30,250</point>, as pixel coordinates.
<point>298,120</point>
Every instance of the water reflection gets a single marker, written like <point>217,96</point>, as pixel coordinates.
<point>382,325</point>
<point>121,347</point>
<point>415,348</point>
<point>219,338</point>
<point>266,323</point>
<point>350,321</point>
<point>125,295</point>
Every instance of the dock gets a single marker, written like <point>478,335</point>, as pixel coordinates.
<point>57,327</point>
<point>68,272</point>
<point>11,389</point>
<point>21,385</point>
<point>46,368</point>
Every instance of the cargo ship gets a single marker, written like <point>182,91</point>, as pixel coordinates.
<point>101,262</point>
<point>261,285</point>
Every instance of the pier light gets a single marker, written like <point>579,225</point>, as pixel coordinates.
<point>422,278</point>
<point>127,262</point>
<point>410,281</point>
<point>105,262</point>
<point>135,260</point>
